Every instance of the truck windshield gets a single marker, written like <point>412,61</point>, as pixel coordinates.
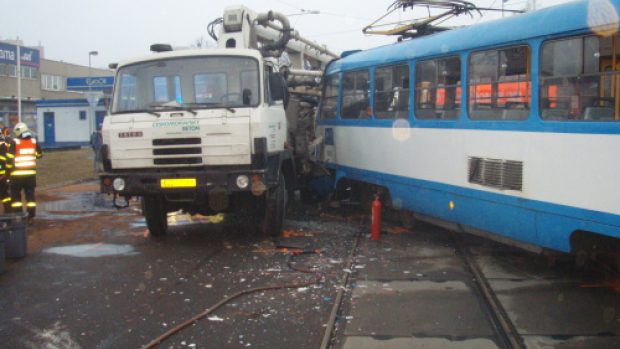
<point>188,83</point>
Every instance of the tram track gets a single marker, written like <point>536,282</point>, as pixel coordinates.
<point>331,323</point>
<point>502,325</point>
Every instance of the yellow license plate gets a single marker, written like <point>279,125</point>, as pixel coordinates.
<point>178,183</point>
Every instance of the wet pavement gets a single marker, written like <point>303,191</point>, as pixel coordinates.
<point>413,290</point>
<point>93,278</point>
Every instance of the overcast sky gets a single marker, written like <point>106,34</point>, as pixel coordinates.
<point>121,29</point>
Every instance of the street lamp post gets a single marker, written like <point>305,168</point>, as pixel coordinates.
<point>19,82</point>
<point>88,82</point>
<point>90,54</point>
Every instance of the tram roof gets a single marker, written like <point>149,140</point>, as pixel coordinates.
<point>566,18</point>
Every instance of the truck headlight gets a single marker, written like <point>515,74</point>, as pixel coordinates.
<point>118,184</point>
<point>243,181</point>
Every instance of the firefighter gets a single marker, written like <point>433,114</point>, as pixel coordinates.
<point>23,154</point>
<point>6,132</point>
<point>5,168</point>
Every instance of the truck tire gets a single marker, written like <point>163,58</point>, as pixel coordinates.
<point>275,209</point>
<point>154,211</point>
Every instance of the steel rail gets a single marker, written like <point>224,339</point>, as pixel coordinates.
<point>338,301</point>
<point>499,318</point>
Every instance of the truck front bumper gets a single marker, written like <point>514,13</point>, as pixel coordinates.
<point>140,183</point>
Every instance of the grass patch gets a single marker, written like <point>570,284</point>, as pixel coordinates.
<point>64,166</point>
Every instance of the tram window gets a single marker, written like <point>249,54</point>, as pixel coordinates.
<point>438,91</point>
<point>330,97</point>
<point>499,84</point>
<point>392,92</point>
<point>578,81</point>
<point>355,100</point>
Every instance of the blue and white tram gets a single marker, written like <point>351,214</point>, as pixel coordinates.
<point>509,128</point>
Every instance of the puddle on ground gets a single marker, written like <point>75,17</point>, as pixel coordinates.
<point>184,219</point>
<point>78,206</point>
<point>93,250</point>
<point>140,223</point>
<point>79,202</point>
<point>64,217</point>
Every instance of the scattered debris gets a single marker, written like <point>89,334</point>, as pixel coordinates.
<point>396,230</point>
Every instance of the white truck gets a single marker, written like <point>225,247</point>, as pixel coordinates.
<point>206,130</point>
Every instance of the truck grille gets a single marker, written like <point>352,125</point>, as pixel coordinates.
<point>169,150</point>
<point>496,173</point>
<point>177,161</point>
<point>176,141</point>
<point>177,151</point>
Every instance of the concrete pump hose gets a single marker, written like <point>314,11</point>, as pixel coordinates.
<point>271,16</point>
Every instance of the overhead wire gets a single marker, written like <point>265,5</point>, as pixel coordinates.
<point>337,32</point>
<point>346,16</point>
<point>290,5</point>
<point>323,12</point>
<point>491,6</point>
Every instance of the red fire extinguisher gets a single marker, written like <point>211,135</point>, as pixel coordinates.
<point>375,227</point>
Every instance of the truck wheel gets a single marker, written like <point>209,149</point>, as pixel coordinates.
<point>154,211</point>
<point>275,209</point>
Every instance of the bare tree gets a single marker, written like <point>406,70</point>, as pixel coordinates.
<point>202,42</point>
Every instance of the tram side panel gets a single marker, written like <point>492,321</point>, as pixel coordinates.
<point>565,178</point>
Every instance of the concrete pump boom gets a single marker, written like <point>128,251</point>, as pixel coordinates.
<point>244,28</point>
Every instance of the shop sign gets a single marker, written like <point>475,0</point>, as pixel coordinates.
<point>29,57</point>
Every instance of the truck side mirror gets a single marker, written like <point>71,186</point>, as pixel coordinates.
<point>278,88</point>
<point>247,96</point>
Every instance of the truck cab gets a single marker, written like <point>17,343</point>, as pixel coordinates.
<point>203,131</point>
<point>208,130</point>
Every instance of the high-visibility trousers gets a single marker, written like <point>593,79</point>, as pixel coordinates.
<point>26,183</point>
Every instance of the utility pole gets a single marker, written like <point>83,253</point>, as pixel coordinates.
<point>92,99</point>
<point>19,82</point>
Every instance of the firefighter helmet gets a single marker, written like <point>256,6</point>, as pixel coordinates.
<point>21,129</point>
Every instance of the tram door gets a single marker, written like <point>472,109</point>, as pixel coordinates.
<point>615,64</point>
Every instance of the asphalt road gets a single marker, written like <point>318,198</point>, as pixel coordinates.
<point>94,278</point>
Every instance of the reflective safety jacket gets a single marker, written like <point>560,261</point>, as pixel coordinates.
<point>4,163</point>
<point>23,155</point>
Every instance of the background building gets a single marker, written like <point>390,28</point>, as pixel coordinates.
<point>54,95</point>
<point>30,83</point>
